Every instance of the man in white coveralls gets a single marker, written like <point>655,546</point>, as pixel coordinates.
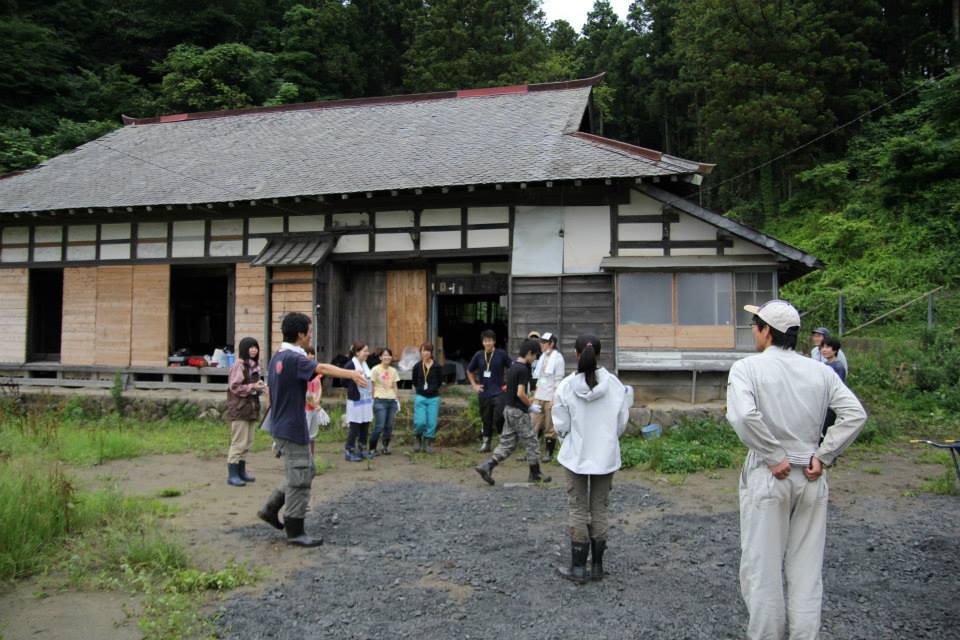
<point>777,401</point>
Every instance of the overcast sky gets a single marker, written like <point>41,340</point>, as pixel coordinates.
<point>575,11</point>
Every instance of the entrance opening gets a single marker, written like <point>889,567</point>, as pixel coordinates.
<point>46,314</point>
<point>460,319</point>
<point>201,309</point>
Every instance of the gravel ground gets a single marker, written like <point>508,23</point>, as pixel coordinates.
<point>431,560</point>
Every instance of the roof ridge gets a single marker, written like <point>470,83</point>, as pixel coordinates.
<point>644,152</point>
<point>372,101</point>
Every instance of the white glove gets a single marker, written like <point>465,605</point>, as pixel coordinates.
<point>535,408</point>
<point>323,418</point>
<point>398,405</point>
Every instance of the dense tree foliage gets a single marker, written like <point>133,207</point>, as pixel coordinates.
<point>741,83</point>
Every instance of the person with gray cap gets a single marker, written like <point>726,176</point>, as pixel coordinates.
<point>817,336</point>
<point>777,401</point>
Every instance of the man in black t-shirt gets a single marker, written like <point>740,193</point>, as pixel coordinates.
<point>516,417</point>
<point>486,372</point>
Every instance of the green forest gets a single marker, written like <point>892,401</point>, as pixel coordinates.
<point>834,126</point>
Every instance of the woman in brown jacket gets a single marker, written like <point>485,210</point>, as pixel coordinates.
<point>244,387</point>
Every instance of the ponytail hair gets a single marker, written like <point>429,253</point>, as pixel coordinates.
<point>357,347</point>
<point>588,347</point>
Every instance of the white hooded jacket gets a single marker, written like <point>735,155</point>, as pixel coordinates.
<point>591,422</point>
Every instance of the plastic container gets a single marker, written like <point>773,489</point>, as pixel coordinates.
<point>652,431</point>
<point>231,358</point>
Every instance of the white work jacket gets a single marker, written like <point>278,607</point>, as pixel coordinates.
<point>591,422</point>
<point>777,402</point>
<point>551,375</point>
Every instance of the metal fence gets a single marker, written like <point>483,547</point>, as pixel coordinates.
<point>859,314</point>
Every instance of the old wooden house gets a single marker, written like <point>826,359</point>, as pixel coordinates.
<point>394,220</point>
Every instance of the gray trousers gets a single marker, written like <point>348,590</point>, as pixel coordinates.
<point>299,471</point>
<point>587,496</point>
<point>517,427</point>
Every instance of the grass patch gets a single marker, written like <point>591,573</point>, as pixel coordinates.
<point>53,436</point>
<point>169,492</point>
<point>945,484</point>
<point>687,448</point>
<point>874,471</point>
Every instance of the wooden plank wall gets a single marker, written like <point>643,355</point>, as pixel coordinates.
<point>150,333</point>
<point>669,336</point>
<point>114,315</point>
<point>363,310</point>
<point>406,309</point>
<point>567,306</point>
<point>251,284</point>
<point>79,327</point>
<point>14,292</point>
<point>290,296</point>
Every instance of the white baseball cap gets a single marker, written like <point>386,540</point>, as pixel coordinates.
<point>546,337</point>
<point>778,314</point>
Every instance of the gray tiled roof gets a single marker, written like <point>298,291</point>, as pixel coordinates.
<point>297,250</point>
<point>516,137</point>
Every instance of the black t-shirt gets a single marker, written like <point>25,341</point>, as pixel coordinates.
<point>519,374</point>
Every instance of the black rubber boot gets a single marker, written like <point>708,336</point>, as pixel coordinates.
<point>536,476</point>
<point>597,547</point>
<point>551,447</point>
<point>233,476</point>
<point>428,445</point>
<point>373,445</point>
<point>485,447</point>
<point>297,537</point>
<point>242,472</point>
<point>417,444</point>
<point>577,572</point>
<point>271,511</point>
<point>485,469</point>
<point>386,447</point>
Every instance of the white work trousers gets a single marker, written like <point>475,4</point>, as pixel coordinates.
<point>782,537</point>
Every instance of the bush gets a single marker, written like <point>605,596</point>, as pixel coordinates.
<point>183,411</point>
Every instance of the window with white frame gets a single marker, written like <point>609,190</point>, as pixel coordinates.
<point>752,288</point>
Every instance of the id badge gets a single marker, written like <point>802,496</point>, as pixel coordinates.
<point>487,374</point>
<point>426,386</point>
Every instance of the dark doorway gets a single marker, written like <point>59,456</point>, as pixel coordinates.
<point>46,314</point>
<point>201,309</point>
<point>461,318</point>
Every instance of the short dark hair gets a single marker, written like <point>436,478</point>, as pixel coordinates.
<point>427,346</point>
<point>310,350</point>
<point>357,346</point>
<point>783,340</point>
<point>528,346</point>
<point>488,333</point>
<point>831,342</point>
<point>293,324</point>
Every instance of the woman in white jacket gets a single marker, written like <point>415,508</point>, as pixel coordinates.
<point>590,413</point>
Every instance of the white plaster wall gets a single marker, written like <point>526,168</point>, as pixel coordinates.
<point>743,247</point>
<point>255,245</point>
<point>144,230</point>
<point>121,251</point>
<point>436,240</point>
<point>641,205</point>
<point>353,243</point>
<point>478,238</point>
<point>488,215</point>
<point>226,228</point>
<point>226,247</point>
<point>643,253</point>
<point>439,217</point>
<point>640,232</point>
<point>393,241</point>
<point>690,228</point>
<point>586,238</point>
<point>537,245</point>
<point>351,219</point>
<point>305,223</point>
<point>394,219</point>
<point>266,225</point>
<point>121,231</point>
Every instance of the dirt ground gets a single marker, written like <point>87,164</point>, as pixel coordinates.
<point>418,545</point>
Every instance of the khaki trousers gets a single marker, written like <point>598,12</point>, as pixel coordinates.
<point>241,439</point>
<point>588,498</point>
<point>543,421</point>
<point>298,471</point>
<point>783,525</point>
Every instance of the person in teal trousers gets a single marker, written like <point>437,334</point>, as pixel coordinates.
<point>427,379</point>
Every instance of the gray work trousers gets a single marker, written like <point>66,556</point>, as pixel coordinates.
<point>299,471</point>
<point>587,498</point>
<point>516,428</point>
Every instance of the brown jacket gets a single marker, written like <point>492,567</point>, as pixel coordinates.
<point>243,401</point>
